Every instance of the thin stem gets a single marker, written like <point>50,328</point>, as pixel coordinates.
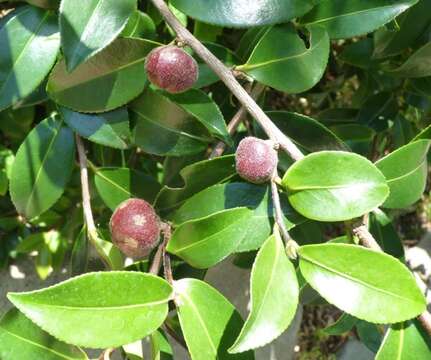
<point>227,76</point>
<point>157,261</point>
<point>174,335</point>
<point>219,149</point>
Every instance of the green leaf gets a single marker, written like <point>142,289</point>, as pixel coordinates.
<point>140,25</point>
<point>280,56</point>
<point>115,185</point>
<point>174,132</point>
<point>99,310</point>
<point>88,26</point>
<point>205,312</point>
<point>357,137</point>
<point>46,4</point>
<point>417,65</point>
<point>412,24</point>
<point>334,186</point>
<point>377,109</point>
<point>204,109</point>
<point>274,297</point>
<point>196,177</point>
<point>369,335</point>
<point>344,324</point>
<point>160,347</point>
<point>228,196</point>
<point>384,232</point>
<point>359,53</point>
<point>205,242</point>
<point>30,42</point>
<point>108,129</point>
<point>109,253</point>
<point>22,339</point>
<point>306,132</point>
<point>107,81</point>
<point>348,18</point>
<point>42,167</point>
<point>361,282</point>
<point>406,171</point>
<point>405,341</point>
<point>240,13</point>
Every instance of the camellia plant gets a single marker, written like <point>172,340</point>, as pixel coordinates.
<point>287,135</point>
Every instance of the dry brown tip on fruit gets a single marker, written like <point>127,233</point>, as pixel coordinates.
<point>135,228</point>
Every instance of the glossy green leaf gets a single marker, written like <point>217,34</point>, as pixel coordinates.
<point>42,167</point>
<point>203,311</point>
<point>344,324</point>
<point>417,65</point>
<point>377,109</point>
<point>174,131</point>
<point>412,24</point>
<point>306,132</point>
<point>274,297</point>
<point>115,185</point>
<point>204,109</point>
<point>383,230</point>
<point>21,339</point>
<point>205,242</point>
<point>47,4</point>
<point>422,85</point>
<point>348,18</point>
<point>88,26</point>
<point>280,56</point>
<point>406,172</point>
<point>30,42</point>
<point>107,81</point>
<point>405,341</point>
<point>196,177</point>
<point>160,347</point>
<point>99,310</point>
<point>359,53</point>
<point>361,282</point>
<point>108,252</point>
<point>140,25</point>
<point>357,137</point>
<point>369,334</point>
<point>334,186</point>
<point>240,13</point>
<point>227,196</point>
<point>109,129</point>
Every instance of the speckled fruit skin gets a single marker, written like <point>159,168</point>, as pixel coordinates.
<point>256,160</point>
<point>171,68</point>
<point>135,228</point>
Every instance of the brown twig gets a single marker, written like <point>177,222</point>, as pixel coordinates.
<point>174,335</point>
<point>106,354</point>
<point>157,260</point>
<point>226,75</point>
<point>219,149</point>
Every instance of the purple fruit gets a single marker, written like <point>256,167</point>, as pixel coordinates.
<point>171,68</point>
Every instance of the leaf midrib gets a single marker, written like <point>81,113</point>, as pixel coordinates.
<point>108,180</point>
<point>37,345</point>
<point>355,280</point>
<point>335,187</point>
<point>354,13</point>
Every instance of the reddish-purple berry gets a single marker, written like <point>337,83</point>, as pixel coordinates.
<point>135,228</point>
<point>256,160</point>
<point>171,68</point>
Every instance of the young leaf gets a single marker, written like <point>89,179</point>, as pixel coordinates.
<point>334,186</point>
<point>406,172</point>
<point>348,18</point>
<point>115,185</point>
<point>197,177</point>
<point>206,241</point>
<point>109,128</point>
<point>107,81</point>
<point>30,42</point>
<point>239,13</point>
<point>208,320</point>
<point>175,132</point>
<point>99,310</point>
<point>21,339</point>
<point>405,341</point>
<point>385,292</point>
<point>231,195</point>
<point>88,26</point>
<point>274,297</point>
<point>42,167</point>
<point>275,64</point>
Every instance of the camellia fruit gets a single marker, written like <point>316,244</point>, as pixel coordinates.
<point>135,228</point>
<point>171,68</point>
<point>256,160</point>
